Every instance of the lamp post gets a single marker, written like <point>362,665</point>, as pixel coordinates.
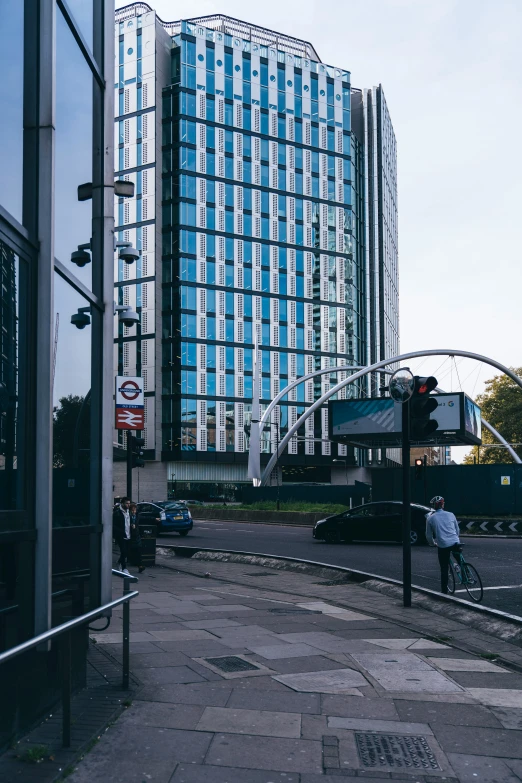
<point>345,467</point>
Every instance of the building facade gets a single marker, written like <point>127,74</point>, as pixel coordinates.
<point>254,216</point>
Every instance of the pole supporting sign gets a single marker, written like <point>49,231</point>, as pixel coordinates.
<point>130,403</point>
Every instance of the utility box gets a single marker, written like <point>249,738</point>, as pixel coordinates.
<point>148,544</point>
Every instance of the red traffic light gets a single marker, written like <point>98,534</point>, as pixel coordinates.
<point>419,463</point>
<point>425,385</point>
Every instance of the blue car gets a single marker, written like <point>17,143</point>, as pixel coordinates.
<point>169,516</point>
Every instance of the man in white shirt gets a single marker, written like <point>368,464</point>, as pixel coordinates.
<point>442,530</point>
<point>121,531</point>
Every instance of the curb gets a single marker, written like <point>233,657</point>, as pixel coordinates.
<point>483,616</point>
<point>309,525</point>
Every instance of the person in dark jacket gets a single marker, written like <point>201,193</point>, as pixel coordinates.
<point>121,531</point>
<point>135,538</point>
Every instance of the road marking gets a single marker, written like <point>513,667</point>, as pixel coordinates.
<point>500,587</point>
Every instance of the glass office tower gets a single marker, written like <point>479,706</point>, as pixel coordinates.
<point>261,239</point>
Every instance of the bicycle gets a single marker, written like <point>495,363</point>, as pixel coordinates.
<point>466,575</point>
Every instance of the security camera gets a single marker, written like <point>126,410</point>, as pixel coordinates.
<point>81,320</point>
<point>127,253</point>
<point>80,257</point>
<point>128,318</point>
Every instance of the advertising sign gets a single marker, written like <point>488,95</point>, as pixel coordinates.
<point>130,403</point>
<point>377,422</point>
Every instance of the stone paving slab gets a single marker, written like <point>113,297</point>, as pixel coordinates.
<point>315,690</point>
<point>263,722</point>
<point>270,753</point>
<point>466,665</point>
<point>338,681</point>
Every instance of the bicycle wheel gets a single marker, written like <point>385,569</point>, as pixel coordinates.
<point>473,583</point>
<point>451,580</point>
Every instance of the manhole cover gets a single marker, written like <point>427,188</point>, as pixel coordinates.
<point>392,750</point>
<point>280,610</point>
<point>230,663</point>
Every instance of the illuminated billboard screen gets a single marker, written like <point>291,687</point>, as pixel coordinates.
<point>377,422</point>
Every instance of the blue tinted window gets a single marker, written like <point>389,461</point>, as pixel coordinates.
<point>229,168</point>
<point>247,93</point>
<point>282,283</point>
<point>211,108</point>
<point>187,242</point>
<point>211,191</point>
<point>210,58</point>
<point>282,309</point>
<point>229,249</point>
<point>248,385</point>
<point>211,389</point>
<point>211,299</point>
<point>283,337</point>
<point>229,297</point>
<point>246,69</point>
<point>211,356</point>
<point>187,158</point>
<point>247,119</point>
<point>282,230</point>
<point>211,218</point>
<point>283,363</point>
<point>247,279</point>
<point>314,86</point>
<point>229,195</point>
<point>247,305</point>
<point>265,338</point>
<point>247,225</point>
<point>188,325</point>
<point>229,222</point>
<point>229,330</point>
<point>210,82</point>
<point>298,132</point>
<point>188,354</point>
<point>188,382</point>
<point>264,97</point>
<point>187,268</point>
<point>264,74</point>
<point>188,298</point>
<point>229,63</point>
<point>265,228</point>
<point>229,358</point>
<point>229,385</point>
<point>229,87</point>
<point>264,123</point>
<point>211,328</point>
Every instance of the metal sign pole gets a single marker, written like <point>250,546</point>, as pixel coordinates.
<point>406,507</point>
<point>129,464</point>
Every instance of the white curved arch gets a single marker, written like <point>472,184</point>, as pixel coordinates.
<point>377,366</point>
<point>302,379</point>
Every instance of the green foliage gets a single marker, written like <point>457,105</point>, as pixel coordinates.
<point>291,505</point>
<point>501,405</point>
<point>34,755</point>
<point>65,418</point>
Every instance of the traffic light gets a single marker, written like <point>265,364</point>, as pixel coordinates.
<point>137,445</point>
<point>418,468</point>
<point>421,406</point>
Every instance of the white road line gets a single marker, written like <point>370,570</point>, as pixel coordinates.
<point>500,587</point>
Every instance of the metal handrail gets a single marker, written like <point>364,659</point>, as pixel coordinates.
<point>64,631</point>
<point>70,625</point>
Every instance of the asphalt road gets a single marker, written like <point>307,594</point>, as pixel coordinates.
<point>498,560</point>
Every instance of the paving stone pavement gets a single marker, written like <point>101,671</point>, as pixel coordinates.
<point>349,685</point>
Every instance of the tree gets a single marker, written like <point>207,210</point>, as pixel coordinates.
<point>501,405</point>
<point>65,420</point>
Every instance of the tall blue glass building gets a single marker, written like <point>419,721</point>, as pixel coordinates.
<point>266,213</point>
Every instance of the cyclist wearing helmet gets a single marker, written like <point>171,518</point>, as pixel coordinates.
<point>443,527</point>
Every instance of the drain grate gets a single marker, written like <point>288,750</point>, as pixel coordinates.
<point>231,663</point>
<point>392,750</point>
<point>281,610</point>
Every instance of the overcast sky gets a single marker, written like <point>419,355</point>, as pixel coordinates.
<point>451,74</point>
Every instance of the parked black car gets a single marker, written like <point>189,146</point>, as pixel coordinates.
<point>372,522</point>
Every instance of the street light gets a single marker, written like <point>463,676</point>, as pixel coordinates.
<point>345,467</point>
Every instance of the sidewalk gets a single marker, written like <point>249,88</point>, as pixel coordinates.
<point>251,675</point>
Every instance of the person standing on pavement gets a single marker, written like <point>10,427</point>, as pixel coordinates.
<point>135,538</point>
<point>442,530</point>
<point>121,531</point>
